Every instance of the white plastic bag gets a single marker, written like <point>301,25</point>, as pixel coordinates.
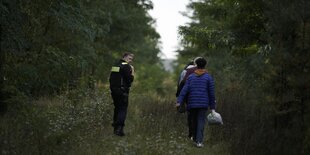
<point>214,118</point>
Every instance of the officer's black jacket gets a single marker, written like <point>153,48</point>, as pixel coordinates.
<point>121,76</point>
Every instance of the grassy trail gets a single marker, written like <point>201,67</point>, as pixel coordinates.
<point>154,127</point>
<point>82,126</point>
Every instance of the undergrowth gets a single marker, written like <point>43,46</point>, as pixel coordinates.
<point>82,125</point>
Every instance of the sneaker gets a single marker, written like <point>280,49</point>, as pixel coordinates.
<point>199,144</point>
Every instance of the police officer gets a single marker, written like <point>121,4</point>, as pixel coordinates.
<point>121,77</point>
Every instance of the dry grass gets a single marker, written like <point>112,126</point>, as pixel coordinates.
<point>62,126</point>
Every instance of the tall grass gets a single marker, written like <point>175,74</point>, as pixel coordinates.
<point>253,125</point>
<point>82,125</point>
<point>53,125</point>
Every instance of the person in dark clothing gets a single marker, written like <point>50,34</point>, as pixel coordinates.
<point>200,95</point>
<point>188,69</point>
<point>121,77</point>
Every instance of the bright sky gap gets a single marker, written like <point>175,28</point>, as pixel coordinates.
<point>167,14</point>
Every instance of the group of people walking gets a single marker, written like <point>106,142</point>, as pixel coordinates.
<point>195,89</point>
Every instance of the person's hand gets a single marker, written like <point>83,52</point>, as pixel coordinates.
<point>213,111</point>
<point>177,104</point>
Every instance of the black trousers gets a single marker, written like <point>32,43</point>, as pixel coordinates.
<point>197,117</point>
<point>120,101</point>
<point>190,124</point>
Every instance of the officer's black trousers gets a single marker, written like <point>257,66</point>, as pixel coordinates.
<point>120,101</point>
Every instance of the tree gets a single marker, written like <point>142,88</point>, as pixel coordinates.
<point>254,49</point>
<point>54,46</point>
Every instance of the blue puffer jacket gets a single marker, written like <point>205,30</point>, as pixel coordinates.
<point>200,89</point>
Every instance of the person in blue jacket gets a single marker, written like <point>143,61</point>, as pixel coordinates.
<point>199,89</point>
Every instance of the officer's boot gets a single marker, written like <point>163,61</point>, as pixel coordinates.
<point>115,130</point>
<point>122,131</point>
<point>119,131</point>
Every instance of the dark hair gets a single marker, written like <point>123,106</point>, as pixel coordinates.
<point>201,62</point>
<point>126,54</point>
<point>190,63</point>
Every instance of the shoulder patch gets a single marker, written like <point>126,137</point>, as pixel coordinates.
<point>115,69</point>
<point>124,63</point>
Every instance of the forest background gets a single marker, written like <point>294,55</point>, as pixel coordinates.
<point>56,57</point>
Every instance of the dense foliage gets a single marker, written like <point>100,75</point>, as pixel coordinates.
<point>258,52</point>
<point>55,61</point>
<point>56,57</point>
<point>48,47</point>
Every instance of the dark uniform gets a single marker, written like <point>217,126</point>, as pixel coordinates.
<point>120,81</point>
